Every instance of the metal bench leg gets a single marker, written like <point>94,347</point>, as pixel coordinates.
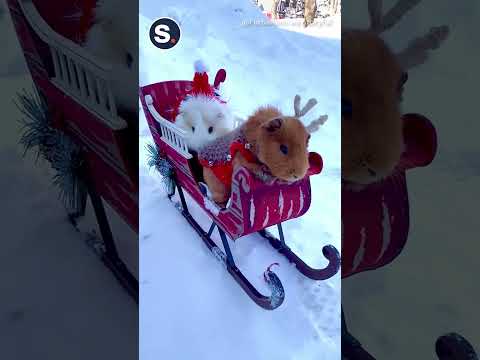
<point>226,247</point>
<point>182,198</point>
<point>110,256</point>
<point>280,234</point>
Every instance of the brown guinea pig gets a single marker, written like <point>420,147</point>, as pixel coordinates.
<point>372,80</point>
<point>280,143</point>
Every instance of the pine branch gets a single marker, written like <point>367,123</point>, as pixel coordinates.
<point>163,166</point>
<point>52,145</point>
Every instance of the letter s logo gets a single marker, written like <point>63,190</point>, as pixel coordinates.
<point>164,33</point>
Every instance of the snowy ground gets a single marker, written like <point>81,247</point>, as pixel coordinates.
<point>58,300</point>
<point>329,27</point>
<point>185,296</point>
<point>435,278</point>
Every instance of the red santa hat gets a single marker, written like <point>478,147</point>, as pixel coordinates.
<point>87,19</point>
<point>201,85</point>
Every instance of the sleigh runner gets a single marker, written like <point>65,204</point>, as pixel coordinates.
<point>253,205</point>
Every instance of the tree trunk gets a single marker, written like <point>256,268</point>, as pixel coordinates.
<point>310,11</point>
<point>274,9</point>
<point>334,6</point>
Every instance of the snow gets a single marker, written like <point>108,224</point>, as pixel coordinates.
<point>184,294</point>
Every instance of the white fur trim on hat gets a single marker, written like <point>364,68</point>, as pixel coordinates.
<point>200,66</point>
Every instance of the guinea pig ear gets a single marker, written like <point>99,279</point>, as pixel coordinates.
<point>273,125</point>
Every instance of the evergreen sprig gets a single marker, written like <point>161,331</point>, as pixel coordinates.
<point>156,160</point>
<point>52,145</point>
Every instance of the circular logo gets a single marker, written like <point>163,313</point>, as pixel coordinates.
<point>165,33</point>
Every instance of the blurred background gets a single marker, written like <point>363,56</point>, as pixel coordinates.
<point>398,311</point>
<point>58,298</point>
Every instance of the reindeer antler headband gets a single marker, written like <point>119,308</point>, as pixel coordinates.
<point>315,124</point>
<point>417,51</point>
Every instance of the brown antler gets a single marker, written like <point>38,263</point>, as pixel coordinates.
<point>417,51</point>
<point>380,23</point>
<point>308,106</point>
<point>375,14</point>
<point>315,124</point>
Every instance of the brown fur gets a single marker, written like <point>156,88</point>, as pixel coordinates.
<point>266,144</point>
<point>217,189</point>
<point>372,139</point>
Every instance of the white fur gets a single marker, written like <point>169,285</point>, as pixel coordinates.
<point>202,112</point>
<point>111,38</point>
<point>200,66</point>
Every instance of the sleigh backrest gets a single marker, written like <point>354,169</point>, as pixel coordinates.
<point>70,67</point>
<point>65,17</point>
<point>75,86</point>
<point>167,95</point>
<point>158,113</point>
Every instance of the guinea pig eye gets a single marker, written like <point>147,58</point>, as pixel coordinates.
<point>210,129</point>
<point>346,107</point>
<point>129,60</point>
<point>193,128</point>
<point>284,149</point>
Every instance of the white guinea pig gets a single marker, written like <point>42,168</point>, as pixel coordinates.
<point>204,119</point>
<point>113,40</point>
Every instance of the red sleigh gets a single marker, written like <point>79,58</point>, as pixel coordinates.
<point>375,219</point>
<point>76,88</point>
<point>254,205</point>
<point>375,222</point>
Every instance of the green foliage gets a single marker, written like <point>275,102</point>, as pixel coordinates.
<point>163,166</point>
<point>55,147</point>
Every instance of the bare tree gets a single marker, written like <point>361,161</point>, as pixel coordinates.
<point>334,7</point>
<point>274,8</point>
<point>310,12</point>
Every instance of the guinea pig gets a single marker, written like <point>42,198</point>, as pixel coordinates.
<point>279,142</point>
<point>272,146</point>
<point>204,119</point>
<point>372,129</point>
<point>111,39</point>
